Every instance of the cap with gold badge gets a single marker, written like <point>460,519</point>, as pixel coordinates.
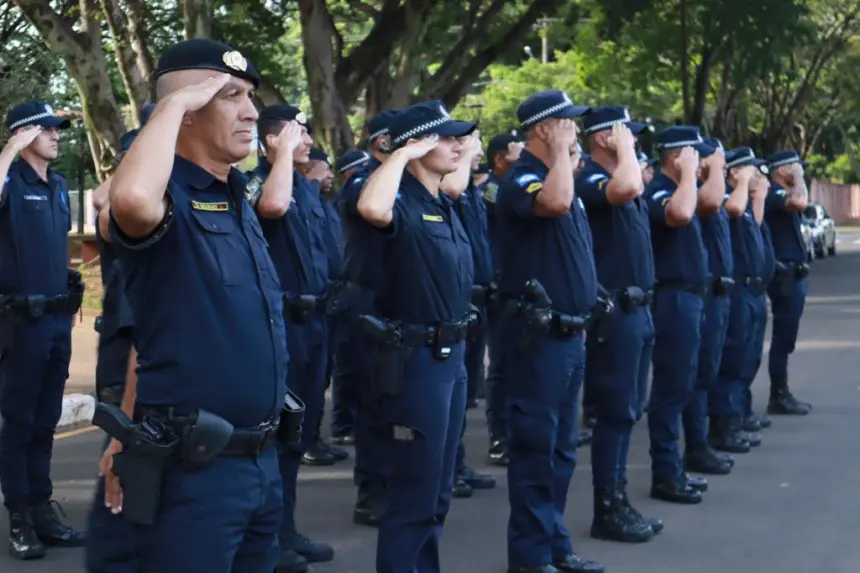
<point>284,112</point>
<point>206,54</point>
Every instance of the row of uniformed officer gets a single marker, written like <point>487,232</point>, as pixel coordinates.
<point>39,295</point>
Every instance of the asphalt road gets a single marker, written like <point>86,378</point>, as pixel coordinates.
<point>790,506</point>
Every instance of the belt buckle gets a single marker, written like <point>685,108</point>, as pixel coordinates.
<point>441,350</point>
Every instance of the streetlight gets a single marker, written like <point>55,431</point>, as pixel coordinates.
<point>528,52</point>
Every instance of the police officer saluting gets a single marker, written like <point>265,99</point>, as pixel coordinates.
<point>209,328</point>
<point>548,280</point>
<point>786,201</point>
<point>619,356</point>
<point>746,187</point>
<point>39,296</point>
<point>681,270</point>
<point>422,301</point>
<point>294,224</point>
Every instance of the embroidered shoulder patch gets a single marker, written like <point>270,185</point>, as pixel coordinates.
<point>596,177</point>
<point>221,207</point>
<point>527,178</point>
<point>491,191</point>
<point>660,194</point>
<point>534,187</point>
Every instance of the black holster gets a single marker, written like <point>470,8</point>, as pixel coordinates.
<point>75,292</point>
<point>300,308</point>
<point>723,286</point>
<point>786,276</point>
<point>204,437</point>
<point>389,355</point>
<point>292,417</point>
<point>601,318</point>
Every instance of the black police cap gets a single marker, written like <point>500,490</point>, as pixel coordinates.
<point>284,112</point>
<point>206,54</point>
<point>378,124</point>
<point>35,113</point>
<point>426,118</point>
<point>743,156</point>
<point>317,154</point>
<point>351,160</point>
<point>500,143</point>
<point>784,157</point>
<point>602,118</point>
<point>547,105</point>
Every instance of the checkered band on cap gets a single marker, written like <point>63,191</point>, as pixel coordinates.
<point>679,144</point>
<point>546,113</point>
<point>607,124</point>
<point>420,129</point>
<point>26,120</point>
<point>377,134</point>
<point>787,161</point>
<point>747,154</point>
<point>356,163</point>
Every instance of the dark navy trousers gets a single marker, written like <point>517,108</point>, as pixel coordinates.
<point>754,357</point>
<point>497,412</point>
<point>741,352</point>
<point>714,329</point>
<point>617,372</point>
<point>32,378</point>
<point>224,517</point>
<point>424,422</point>
<point>306,377</point>
<point>476,352</point>
<point>678,317</point>
<point>543,392</point>
<point>787,307</point>
<point>372,436</point>
<point>111,540</point>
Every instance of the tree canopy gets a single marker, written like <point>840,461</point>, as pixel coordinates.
<point>770,74</point>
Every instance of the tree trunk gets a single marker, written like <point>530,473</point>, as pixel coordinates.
<point>330,116</point>
<point>139,43</point>
<point>197,18</point>
<point>136,86</point>
<point>82,53</point>
<point>685,59</point>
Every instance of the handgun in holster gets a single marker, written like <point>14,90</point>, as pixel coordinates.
<point>475,319</point>
<point>535,310</point>
<point>292,417</point>
<point>301,307</point>
<point>149,448</point>
<point>602,315</point>
<point>389,355</point>
<point>75,291</point>
<point>786,277</point>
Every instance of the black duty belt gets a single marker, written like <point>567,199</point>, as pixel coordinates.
<point>798,270</point>
<point>568,325</point>
<point>444,334</point>
<point>299,308</point>
<point>722,286</point>
<point>755,283</point>
<point>36,305</point>
<point>700,290</point>
<point>632,297</point>
<point>244,442</point>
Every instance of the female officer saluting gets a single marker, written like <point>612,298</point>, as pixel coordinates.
<point>423,301</point>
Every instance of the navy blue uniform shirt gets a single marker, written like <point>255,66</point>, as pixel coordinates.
<point>769,255</point>
<point>489,190</point>
<point>679,252</point>
<point>35,221</point>
<point>362,245</point>
<point>427,259</point>
<point>621,234</point>
<point>297,241</point>
<point>116,311</point>
<point>207,305</point>
<point>557,252</point>
<point>718,243</point>
<point>748,249</point>
<point>473,215</point>
<point>334,238</point>
<point>784,226</point>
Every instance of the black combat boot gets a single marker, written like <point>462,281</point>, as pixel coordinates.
<point>53,532</point>
<point>613,521</point>
<point>655,523</point>
<point>498,452</point>
<point>368,505</point>
<point>783,403</point>
<point>723,438</point>
<point>24,544</point>
<point>704,460</point>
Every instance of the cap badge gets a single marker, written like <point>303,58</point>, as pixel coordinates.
<point>444,111</point>
<point>235,61</point>
<point>566,98</point>
<point>48,109</point>
<point>302,118</point>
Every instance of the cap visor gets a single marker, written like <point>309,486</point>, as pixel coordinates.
<point>454,129</point>
<point>573,111</point>
<point>55,122</point>
<point>636,128</point>
<point>704,149</point>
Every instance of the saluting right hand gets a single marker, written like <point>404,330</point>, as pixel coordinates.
<point>419,148</point>
<point>621,138</point>
<point>688,160</point>
<point>194,97</point>
<point>745,174</point>
<point>290,136</point>
<point>22,138</point>
<point>562,136</point>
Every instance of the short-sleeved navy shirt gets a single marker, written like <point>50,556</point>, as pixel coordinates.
<point>473,215</point>
<point>362,244</point>
<point>621,234</point>
<point>334,238</point>
<point>718,243</point>
<point>297,241</point>
<point>428,272</point>
<point>679,252</point>
<point>35,221</point>
<point>489,190</point>
<point>769,256</point>
<point>207,305</point>
<point>748,248</point>
<point>557,252</point>
<point>784,226</point>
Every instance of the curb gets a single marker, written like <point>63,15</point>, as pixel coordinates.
<point>77,409</point>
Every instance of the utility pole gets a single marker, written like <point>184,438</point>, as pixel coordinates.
<point>543,29</point>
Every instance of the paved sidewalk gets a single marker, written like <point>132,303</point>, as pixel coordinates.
<point>85,343</point>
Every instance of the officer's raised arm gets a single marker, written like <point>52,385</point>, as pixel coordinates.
<point>455,183</point>
<point>556,195</point>
<point>277,191</point>
<point>712,192</point>
<point>742,168</point>
<point>626,182</point>
<point>22,138</point>
<point>137,193</point>
<point>376,202</point>
<point>682,206</point>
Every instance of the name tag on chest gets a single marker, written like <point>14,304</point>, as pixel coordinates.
<point>219,207</point>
